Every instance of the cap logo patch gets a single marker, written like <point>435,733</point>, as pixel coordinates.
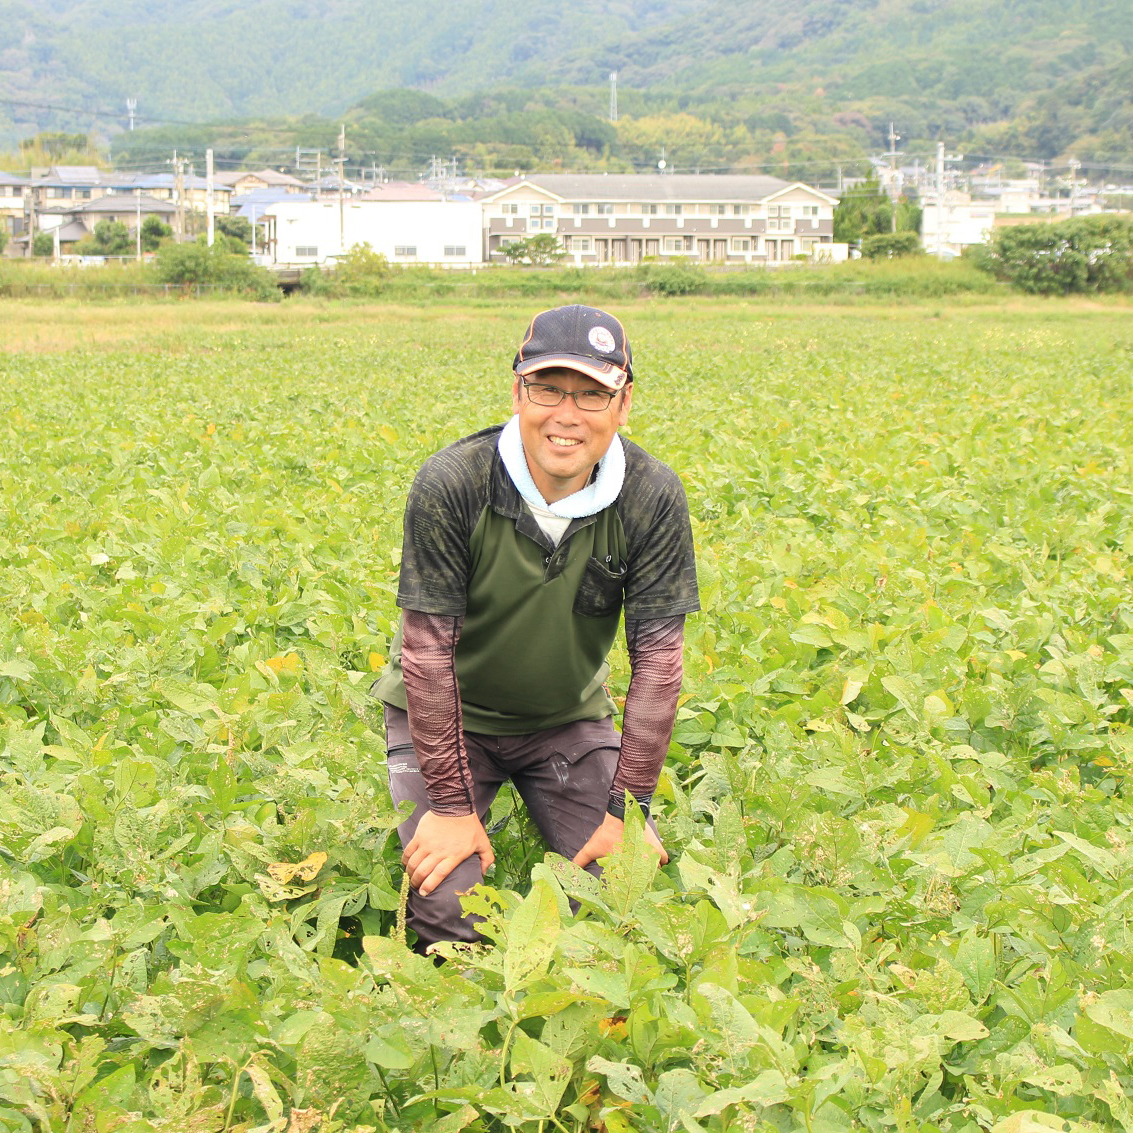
<point>601,339</point>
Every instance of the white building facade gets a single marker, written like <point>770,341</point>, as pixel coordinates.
<point>436,231</point>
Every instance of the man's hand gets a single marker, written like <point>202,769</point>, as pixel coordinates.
<point>440,844</point>
<point>608,837</point>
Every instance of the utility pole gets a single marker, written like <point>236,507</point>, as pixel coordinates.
<point>138,223</point>
<point>208,198</point>
<point>178,199</point>
<point>942,225</point>
<point>1074,165</point>
<point>131,106</point>
<point>894,138</point>
<point>319,175</point>
<point>613,96</point>
<point>341,179</point>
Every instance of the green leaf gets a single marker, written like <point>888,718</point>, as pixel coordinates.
<point>975,961</point>
<point>533,930</point>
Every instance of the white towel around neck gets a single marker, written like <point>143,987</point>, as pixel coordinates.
<point>598,494</point>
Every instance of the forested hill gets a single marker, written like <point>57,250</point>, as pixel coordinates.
<point>1028,77</point>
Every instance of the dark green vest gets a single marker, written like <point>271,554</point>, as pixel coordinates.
<point>538,627</point>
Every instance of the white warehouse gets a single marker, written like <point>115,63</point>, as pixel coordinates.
<point>406,223</point>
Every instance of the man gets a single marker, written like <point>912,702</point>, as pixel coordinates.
<point>522,545</point>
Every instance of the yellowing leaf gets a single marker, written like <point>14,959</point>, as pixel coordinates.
<point>211,430</point>
<point>1016,655</point>
<point>334,484</point>
<point>388,434</point>
<point>916,826</point>
<point>850,690</point>
<point>858,723</point>
<point>288,663</point>
<point>376,661</point>
<point>306,870</point>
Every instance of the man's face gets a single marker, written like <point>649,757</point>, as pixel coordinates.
<point>562,442</point>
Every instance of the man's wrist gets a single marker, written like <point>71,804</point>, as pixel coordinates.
<point>616,807</point>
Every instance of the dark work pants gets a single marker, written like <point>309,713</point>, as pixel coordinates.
<point>562,774</point>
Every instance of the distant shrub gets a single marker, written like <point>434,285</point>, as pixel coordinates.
<point>43,244</point>
<point>1088,253</point>
<point>679,278</point>
<point>889,245</point>
<point>216,267</point>
<point>534,251</point>
<point>361,273</point>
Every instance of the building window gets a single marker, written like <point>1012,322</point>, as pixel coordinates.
<point>455,249</point>
<point>581,210</point>
<point>581,244</point>
<point>740,210</point>
<point>605,209</point>
<point>672,210</point>
<point>510,209</point>
<point>674,244</point>
<point>405,249</point>
<point>810,210</point>
<point>648,210</point>
<point>536,210</point>
<point>741,244</point>
<point>717,210</point>
<point>779,218</point>
<point>306,251</point>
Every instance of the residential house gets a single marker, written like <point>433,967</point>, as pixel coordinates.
<point>163,187</point>
<point>407,223</point>
<point>13,207</point>
<point>241,182</point>
<point>625,218</point>
<point>71,223</point>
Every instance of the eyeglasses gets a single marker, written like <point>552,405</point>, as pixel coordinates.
<point>591,400</point>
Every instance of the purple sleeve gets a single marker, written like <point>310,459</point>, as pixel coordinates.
<point>656,648</point>
<point>428,664</point>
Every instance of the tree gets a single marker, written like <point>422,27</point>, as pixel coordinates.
<point>887,245</point>
<point>110,238</point>
<point>43,244</point>
<point>536,251</point>
<point>235,228</point>
<point>154,230</point>
<point>865,210</point>
<point>1088,253</point>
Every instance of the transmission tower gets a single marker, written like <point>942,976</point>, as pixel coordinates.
<point>613,96</point>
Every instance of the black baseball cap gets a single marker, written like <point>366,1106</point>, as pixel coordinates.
<point>577,338</point>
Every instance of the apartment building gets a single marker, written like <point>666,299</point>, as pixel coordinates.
<point>625,218</point>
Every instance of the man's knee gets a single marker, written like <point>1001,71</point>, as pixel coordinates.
<point>439,916</point>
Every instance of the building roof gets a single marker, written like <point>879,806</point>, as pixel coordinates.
<point>129,181</point>
<point>270,177</point>
<point>402,191</point>
<point>112,204</point>
<point>70,175</point>
<point>256,201</point>
<point>653,187</point>
<point>11,179</point>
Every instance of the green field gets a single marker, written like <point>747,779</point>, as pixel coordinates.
<point>901,887</point>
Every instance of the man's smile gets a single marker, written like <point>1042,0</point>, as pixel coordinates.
<point>564,442</point>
